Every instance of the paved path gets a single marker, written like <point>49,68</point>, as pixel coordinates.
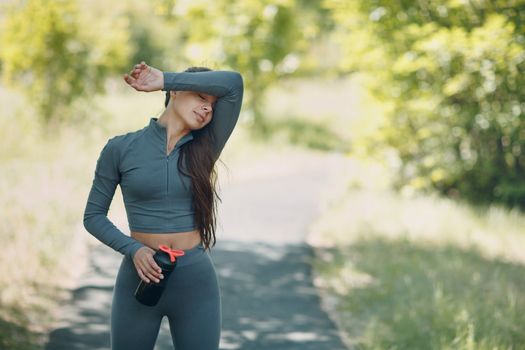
<point>268,298</point>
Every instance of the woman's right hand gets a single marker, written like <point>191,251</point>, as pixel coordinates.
<point>147,268</point>
<point>145,78</point>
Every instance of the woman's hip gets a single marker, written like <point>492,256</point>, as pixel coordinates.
<point>193,274</point>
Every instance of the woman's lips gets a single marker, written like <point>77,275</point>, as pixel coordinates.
<point>199,117</point>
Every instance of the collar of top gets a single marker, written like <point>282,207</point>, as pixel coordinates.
<point>160,131</point>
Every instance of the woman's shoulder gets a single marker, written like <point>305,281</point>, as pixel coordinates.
<point>123,141</point>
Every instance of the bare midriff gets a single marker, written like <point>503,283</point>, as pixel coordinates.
<point>174,240</point>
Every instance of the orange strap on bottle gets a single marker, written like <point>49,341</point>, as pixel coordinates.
<point>173,253</point>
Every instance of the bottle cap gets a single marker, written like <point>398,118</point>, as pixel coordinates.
<point>173,253</point>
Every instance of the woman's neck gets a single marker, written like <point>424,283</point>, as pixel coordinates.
<point>175,128</point>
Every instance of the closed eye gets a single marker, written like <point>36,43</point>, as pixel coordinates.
<point>204,98</point>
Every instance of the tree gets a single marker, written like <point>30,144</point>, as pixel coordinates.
<point>262,39</point>
<point>452,73</point>
<point>55,55</point>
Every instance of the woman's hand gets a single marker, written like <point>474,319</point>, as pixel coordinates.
<point>147,268</point>
<point>145,78</point>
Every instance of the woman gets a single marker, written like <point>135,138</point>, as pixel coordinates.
<point>167,178</point>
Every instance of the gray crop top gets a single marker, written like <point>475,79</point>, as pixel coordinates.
<point>156,196</point>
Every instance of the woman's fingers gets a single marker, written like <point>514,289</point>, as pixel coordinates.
<point>145,78</point>
<point>146,267</point>
<point>153,264</point>
<point>138,68</point>
<point>149,273</point>
<point>135,73</point>
<point>134,70</point>
<point>141,71</point>
<point>142,277</point>
<point>151,269</point>
<point>132,77</point>
<point>129,79</point>
<point>132,82</point>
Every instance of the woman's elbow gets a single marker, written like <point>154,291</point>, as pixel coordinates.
<point>90,219</point>
<point>237,81</point>
<point>87,222</point>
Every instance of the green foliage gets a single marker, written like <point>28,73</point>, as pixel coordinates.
<point>451,72</point>
<point>55,54</point>
<point>261,39</point>
<point>59,50</point>
<point>149,39</point>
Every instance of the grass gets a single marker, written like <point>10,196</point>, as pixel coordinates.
<point>409,272</point>
<point>404,295</point>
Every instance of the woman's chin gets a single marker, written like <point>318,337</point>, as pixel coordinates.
<point>197,126</point>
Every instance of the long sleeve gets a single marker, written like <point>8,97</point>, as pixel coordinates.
<point>96,222</point>
<point>226,85</point>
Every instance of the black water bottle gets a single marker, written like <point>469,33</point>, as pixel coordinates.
<point>149,293</point>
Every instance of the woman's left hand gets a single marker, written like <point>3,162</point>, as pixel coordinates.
<point>145,78</point>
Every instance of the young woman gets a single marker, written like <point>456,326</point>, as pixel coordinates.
<point>167,178</point>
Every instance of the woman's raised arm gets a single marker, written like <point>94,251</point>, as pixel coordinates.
<point>228,86</point>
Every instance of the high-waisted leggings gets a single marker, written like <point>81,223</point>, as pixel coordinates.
<point>191,301</point>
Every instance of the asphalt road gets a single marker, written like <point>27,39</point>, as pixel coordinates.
<point>268,299</point>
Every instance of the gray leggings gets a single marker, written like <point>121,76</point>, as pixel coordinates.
<point>191,301</point>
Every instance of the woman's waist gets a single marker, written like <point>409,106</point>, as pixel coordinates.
<point>174,240</point>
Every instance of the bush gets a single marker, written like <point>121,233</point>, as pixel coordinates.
<point>452,75</point>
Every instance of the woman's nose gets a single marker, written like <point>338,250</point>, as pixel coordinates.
<point>207,108</point>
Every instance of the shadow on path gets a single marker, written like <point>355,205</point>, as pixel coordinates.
<point>268,301</point>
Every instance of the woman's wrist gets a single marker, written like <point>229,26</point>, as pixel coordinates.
<point>164,79</point>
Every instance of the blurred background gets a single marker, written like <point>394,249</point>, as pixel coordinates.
<point>421,247</point>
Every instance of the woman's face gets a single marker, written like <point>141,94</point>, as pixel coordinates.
<point>194,108</point>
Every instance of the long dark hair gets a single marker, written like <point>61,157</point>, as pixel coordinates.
<point>197,161</point>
